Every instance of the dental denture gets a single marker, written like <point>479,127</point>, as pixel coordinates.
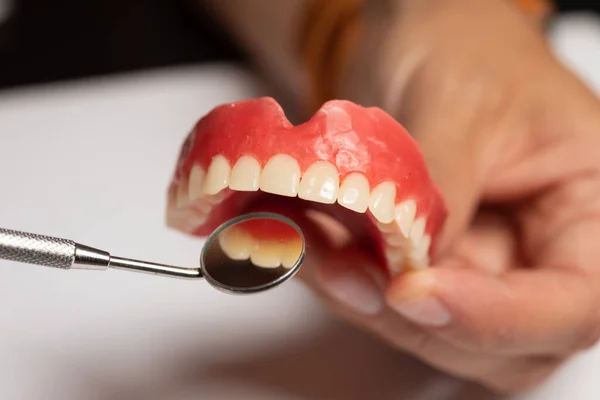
<point>355,164</point>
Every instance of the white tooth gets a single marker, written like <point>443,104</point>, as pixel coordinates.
<point>182,198</point>
<point>281,175</point>
<point>417,231</point>
<point>236,243</point>
<point>202,207</point>
<point>395,239</point>
<point>245,175</point>
<point>215,198</point>
<point>320,182</point>
<point>387,228</point>
<point>217,176</point>
<point>354,193</point>
<point>382,201</point>
<point>266,253</point>
<point>394,255</point>
<point>291,253</point>
<point>197,175</point>
<point>422,249</point>
<point>405,215</point>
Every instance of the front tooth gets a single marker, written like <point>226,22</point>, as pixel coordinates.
<point>320,183</point>
<point>281,175</point>
<point>382,200</point>
<point>354,193</point>
<point>405,215</point>
<point>236,243</point>
<point>217,176</point>
<point>197,175</point>
<point>245,174</point>
<point>266,253</point>
<point>291,253</point>
<point>417,231</point>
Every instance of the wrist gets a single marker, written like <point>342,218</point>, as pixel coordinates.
<point>348,45</point>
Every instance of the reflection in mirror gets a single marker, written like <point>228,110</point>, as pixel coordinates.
<point>253,252</point>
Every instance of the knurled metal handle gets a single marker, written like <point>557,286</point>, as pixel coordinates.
<point>36,249</point>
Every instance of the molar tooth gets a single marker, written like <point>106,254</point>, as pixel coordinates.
<point>217,176</point>
<point>245,174</point>
<point>417,231</point>
<point>281,175</point>
<point>421,250</point>
<point>382,201</point>
<point>197,175</point>
<point>354,193</point>
<point>182,199</point>
<point>320,183</point>
<point>405,215</point>
<point>266,253</point>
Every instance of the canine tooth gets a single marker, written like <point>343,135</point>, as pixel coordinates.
<point>320,183</point>
<point>405,215</point>
<point>417,231</point>
<point>215,198</point>
<point>382,200</point>
<point>236,243</point>
<point>354,193</point>
<point>281,175</point>
<point>197,175</point>
<point>266,253</point>
<point>217,176</point>
<point>245,174</point>
<point>291,253</point>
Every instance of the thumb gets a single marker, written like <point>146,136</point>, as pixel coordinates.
<point>453,163</point>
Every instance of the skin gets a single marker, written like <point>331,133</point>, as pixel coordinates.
<point>511,137</point>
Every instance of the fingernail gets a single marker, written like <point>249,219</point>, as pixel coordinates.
<point>353,288</point>
<point>425,310</point>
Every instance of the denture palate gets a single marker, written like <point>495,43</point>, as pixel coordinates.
<point>355,157</point>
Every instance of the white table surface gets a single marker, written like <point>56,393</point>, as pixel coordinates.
<point>91,161</point>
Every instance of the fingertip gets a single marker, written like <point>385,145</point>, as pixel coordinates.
<point>413,296</point>
<point>410,285</point>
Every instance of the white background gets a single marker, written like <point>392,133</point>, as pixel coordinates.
<point>91,161</point>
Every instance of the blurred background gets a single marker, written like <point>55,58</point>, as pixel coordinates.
<point>55,40</point>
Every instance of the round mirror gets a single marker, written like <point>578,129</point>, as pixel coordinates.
<point>252,253</point>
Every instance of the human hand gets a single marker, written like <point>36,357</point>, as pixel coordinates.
<point>511,137</point>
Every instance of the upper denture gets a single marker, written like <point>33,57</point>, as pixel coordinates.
<point>343,151</point>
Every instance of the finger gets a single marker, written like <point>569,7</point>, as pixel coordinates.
<point>521,312</point>
<point>349,287</point>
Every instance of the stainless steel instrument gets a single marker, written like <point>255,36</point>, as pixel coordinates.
<point>222,272</point>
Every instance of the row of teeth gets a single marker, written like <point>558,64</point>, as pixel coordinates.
<point>406,242</point>
<point>239,244</point>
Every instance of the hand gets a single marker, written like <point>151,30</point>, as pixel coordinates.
<point>512,139</point>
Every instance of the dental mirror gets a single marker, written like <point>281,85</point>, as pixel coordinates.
<point>247,254</point>
<point>252,253</point>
